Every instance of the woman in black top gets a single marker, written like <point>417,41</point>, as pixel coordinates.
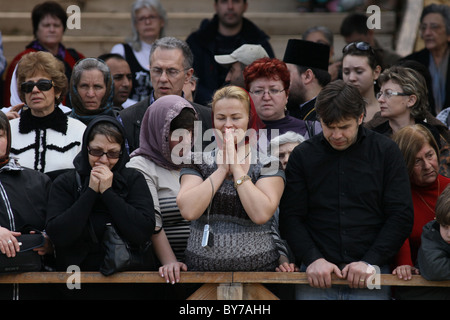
<point>23,201</point>
<point>106,192</point>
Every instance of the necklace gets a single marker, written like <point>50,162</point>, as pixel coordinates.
<point>245,157</point>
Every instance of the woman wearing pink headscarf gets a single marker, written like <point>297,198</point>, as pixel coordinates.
<point>165,143</point>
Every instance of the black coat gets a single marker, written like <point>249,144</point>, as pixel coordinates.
<point>27,192</point>
<point>74,213</point>
<point>423,56</point>
<point>203,45</point>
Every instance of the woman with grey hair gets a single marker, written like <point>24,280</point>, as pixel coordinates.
<point>91,90</point>
<point>435,31</point>
<point>148,22</point>
<point>281,146</point>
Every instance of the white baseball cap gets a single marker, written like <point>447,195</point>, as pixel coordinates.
<point>246,54</point>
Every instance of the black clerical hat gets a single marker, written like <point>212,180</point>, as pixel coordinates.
<point>307,54</point>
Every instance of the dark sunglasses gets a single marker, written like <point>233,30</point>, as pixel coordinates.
<point>363,46</point>
<point>42,85</point>
<point>99,153</point>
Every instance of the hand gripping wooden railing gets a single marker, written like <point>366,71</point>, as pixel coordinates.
<point>216,285</point>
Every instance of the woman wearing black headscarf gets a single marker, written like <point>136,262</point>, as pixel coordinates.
<point>106,192</point>
<point>91,90</point>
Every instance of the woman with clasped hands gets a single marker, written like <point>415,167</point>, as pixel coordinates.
<point>244,188</point>
<point>100,190</point>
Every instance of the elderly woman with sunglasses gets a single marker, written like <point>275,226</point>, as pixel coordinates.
<point>403,101</point>
<point>360,68</point>
<point>44,138</point>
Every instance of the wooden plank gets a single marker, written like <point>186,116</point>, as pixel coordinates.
<point>256,291</point>
<point>230,291</point>
<point>121,277</point>
<point>202,277</point>
<point>207,291</point>
<point>300,278</point>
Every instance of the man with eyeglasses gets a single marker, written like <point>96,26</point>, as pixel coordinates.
<point>170,69</point>
<point>435,32</point>
<point>347,207</point>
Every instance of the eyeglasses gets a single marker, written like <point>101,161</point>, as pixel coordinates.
<point>109,154</point>
<point>389,93</point>
<point>271,92</point>
<point>363,46</point>
<point>42,85</point>
<point>432,26</point>
<point>144,19</point>
<point>171,72</point>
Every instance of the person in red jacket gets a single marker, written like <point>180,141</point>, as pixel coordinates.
<point>49,24</point>
<point>421,154</point>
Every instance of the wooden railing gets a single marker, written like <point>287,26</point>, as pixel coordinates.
<point>216,285</point>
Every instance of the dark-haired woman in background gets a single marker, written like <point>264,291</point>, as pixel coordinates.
<point>49,21</point>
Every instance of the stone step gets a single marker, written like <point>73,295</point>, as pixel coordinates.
<point>118,24</point>
<point>93,46</point>
<point>169,5</point>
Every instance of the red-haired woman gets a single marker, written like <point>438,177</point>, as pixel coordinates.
<point>267,80</point>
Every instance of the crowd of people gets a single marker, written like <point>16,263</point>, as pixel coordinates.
<point>227,158</point>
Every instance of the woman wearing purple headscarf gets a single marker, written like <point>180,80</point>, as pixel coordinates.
<point>165,144</point>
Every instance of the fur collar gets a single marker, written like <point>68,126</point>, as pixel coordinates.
<point>56,120</point>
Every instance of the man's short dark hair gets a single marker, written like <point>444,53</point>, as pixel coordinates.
<point>339,101</point>
<point>106,56</point>
<point>322,76</point>
<point>354,22</point>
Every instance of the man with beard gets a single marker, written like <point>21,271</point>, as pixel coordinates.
<point>221,35</point>
<point>307,62</point>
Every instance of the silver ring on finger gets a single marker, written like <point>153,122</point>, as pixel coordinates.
<point>9,241</point>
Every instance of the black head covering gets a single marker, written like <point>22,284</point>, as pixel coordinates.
<point>81,161</point>
<point>307,54</point>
